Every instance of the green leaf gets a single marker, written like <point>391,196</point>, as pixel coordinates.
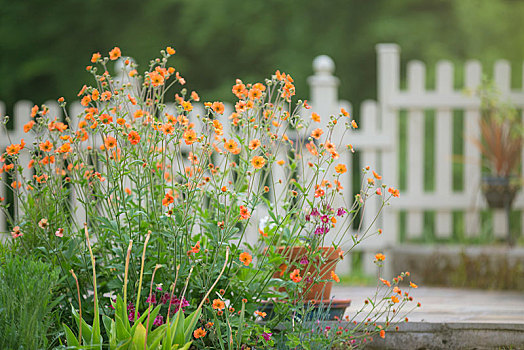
<point>139,338</point>
<point>70,337</point>
<point>154,338</point>
<point>86,329</point>
<point>107,323</point>
<point>190,323</point>
<point>185,347</point>
<point>178,328</point>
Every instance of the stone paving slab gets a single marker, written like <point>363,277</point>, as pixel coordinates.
<point>445,305</point>
<point>451,319</point>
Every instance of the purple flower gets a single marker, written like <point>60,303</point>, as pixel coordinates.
<point>315,212</point>
<point>308,217</point>
<point>320,230</point>
<point>164,298</point>
<point>159,320</point>
<point>132,315</point>
<point>266,336</point>
<point>151,299</point>
<point>179,304</point>
<point>304,260</point>
<point>324,219</point>
<point>341,211</point>
<point>130,307</point>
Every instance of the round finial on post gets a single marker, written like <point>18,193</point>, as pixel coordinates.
<point>323,65</point>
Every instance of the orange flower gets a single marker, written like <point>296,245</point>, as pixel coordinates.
<point>218,304</point>
<point>344,112</point>
<point>281,162</point>
<point>295,276</point>
<point>394,299</point>
<point>330,147</point>
<point>260,313</point>
<point>312,148</point>
<point>319,192</point>
<point>380,257</point>
<point>156,79</point>
<point>138,114</point>
<point>81,92</point>
<point>95,94</point>
<point>341,169</point>
<point>115,53</point>
<point>85,100</point>
<point>106,118</point>
<point>199,333</point>
<point>29,126</point>
<point>106,95</point>
<point>258,162</point>
<point>218,107</point>
<point>95,57</point>
<point>315,117</point>
<point>317,133</point>
<point>246,258</point>
<point>16,232</point>
<point>46,146</point>
<point>254,144</point>
<point>335,277</point>
<point>168,198</point>
<point>168,128</point>
<point>244,213</point>
<point>195,249</point>
<point>239,89</point>
<point>377,176</point>
<point>394,192</point>
<point>386,282</point>
<point>170,50</point>
<point>65,148</point>
<point>133,137</point>
<point>354,124</point>
<point>382,333</point>
<point>413,285</point>
<point>110,142</point>
<point>255,94</point>
<point>188,107</point>
<point>13,149</point>
<point>189,136</point>
<point>195,96</point>
<point>232,146</point>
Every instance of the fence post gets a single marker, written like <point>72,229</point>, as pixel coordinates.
<point>388,66</point>
<point>323,87</point>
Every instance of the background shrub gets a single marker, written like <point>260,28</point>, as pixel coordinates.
<point>26,302</point>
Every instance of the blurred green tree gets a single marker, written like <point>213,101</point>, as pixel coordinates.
<point>44,44</point>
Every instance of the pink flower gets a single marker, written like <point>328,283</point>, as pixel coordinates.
<point>266,336</point>
<point>159,320</point>
<point>59,232</point>
<point>151,299</point>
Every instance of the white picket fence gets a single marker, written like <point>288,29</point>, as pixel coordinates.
<point>377,140</point>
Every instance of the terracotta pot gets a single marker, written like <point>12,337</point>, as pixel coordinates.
<point>313,291</point>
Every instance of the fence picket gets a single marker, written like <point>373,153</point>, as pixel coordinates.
<point>416,126</point>
<point>472,158</point>
<point>443,149</point>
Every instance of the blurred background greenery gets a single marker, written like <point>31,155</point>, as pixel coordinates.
<point>46,44</point>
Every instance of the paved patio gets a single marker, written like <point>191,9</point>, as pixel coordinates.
<point>450,305</point>
<point>451,319</point>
